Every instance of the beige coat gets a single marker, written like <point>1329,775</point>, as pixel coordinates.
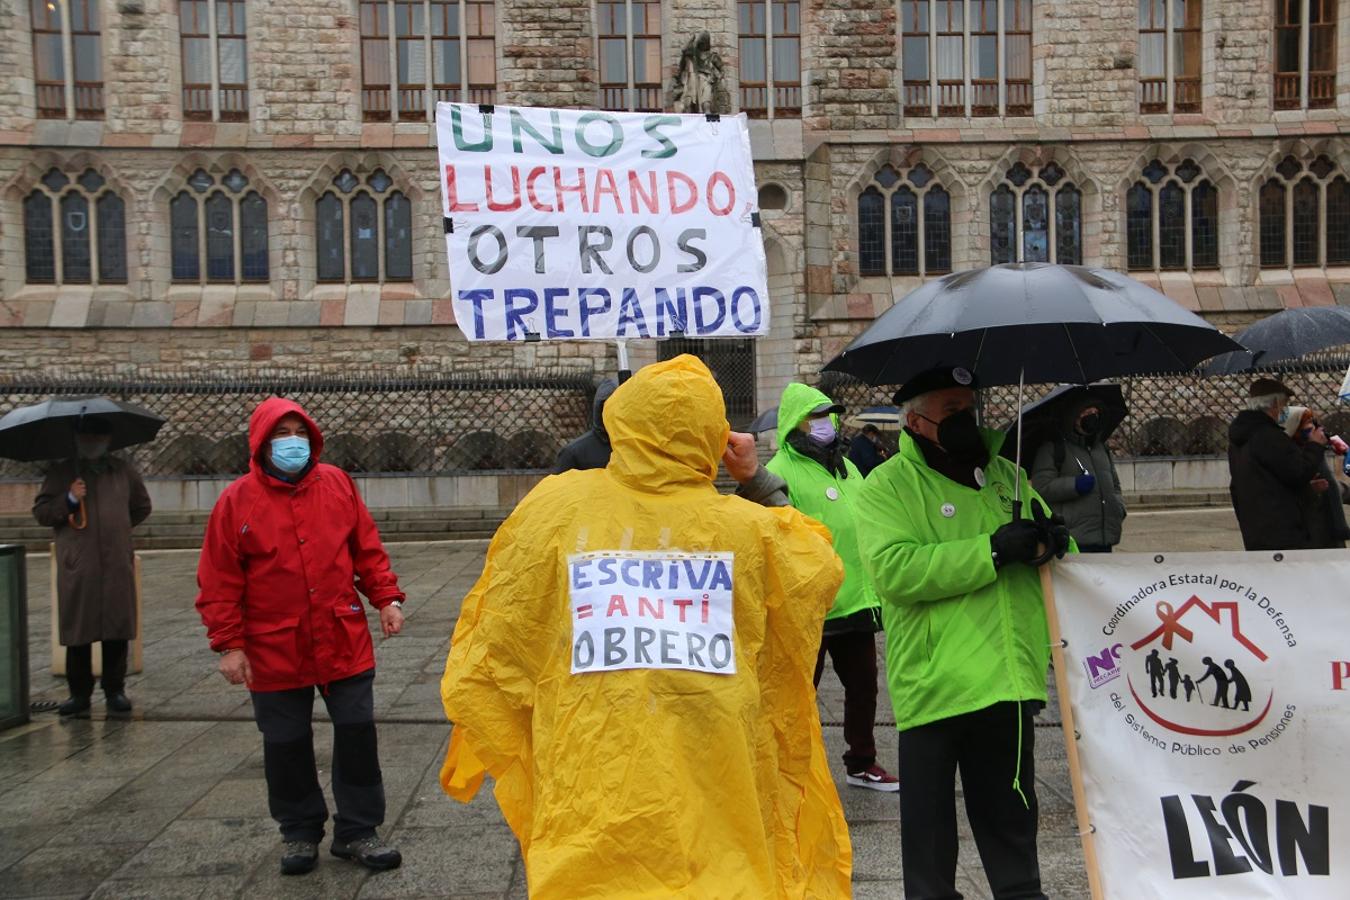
<point>95,580</point>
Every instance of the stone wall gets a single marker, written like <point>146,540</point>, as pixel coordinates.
<point>305,126</point>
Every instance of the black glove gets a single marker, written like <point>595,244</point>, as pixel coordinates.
<point>1014,541</point>
<point>1054,532</point>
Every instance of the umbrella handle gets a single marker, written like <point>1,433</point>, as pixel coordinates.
<point>83,520</point>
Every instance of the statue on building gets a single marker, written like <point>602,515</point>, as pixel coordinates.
<point>698,83</point>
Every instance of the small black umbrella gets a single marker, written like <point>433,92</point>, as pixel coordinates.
<point>765,421</point>
<point>46,430</point>
<point>1042,419</point>
<point>1284,336</point>
<point>1013,323</point>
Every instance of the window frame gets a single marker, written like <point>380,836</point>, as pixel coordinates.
<point>79,99</point>
<point>216,90</point>
<point>92,200</point>
<point>386,101</point>
<point>202,256</point>
<point>1035,182</point>
<point>782,99</point>
<point>920,194</point>
<point>1315,88</point>
<point>935,97</point>
<point>635,96</point>
<point>1289,186</point>
<point>346,239</point>
<point>1170,179</point>
<point>1180,93</point>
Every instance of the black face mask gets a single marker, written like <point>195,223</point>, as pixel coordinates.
<point>1090,424</point>
<point>960,437</point>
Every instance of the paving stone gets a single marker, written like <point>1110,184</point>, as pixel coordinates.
<point>50,871</point>
<point>197,888</point>
<point>195,847</point>
<point>436,859</point>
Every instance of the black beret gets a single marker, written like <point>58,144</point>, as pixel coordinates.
<point>935,380</point>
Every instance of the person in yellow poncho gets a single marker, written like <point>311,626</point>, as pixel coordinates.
<point>634,667</point>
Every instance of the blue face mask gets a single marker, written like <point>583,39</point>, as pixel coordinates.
<point>290,454</point>
<point>823,431</point>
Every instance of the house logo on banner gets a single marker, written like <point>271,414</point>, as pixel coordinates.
<point>575,224</point>
<point>1199,675</point>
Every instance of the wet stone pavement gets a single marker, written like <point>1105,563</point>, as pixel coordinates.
<point>170,803</point>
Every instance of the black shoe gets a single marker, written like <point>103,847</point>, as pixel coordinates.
<point>118,703</point>
<point>75,706</point>
<point>299,857</point>
<point>369,851</point>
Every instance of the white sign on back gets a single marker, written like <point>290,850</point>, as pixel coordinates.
<point>575,224</point>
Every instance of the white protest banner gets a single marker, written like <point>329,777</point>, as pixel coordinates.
<point>574,224</point>
<point>652,610</point>
<point>1212,695</point>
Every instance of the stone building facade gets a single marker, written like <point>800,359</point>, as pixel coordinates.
<point>894,140</point>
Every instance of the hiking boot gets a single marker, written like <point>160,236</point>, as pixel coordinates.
<point>118,703</point>
<point>874,778</point>
<point>75,706</point>
<point>299,857</point>
<point>369,851</point>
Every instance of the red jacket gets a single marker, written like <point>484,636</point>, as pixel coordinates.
<point>281,564</point>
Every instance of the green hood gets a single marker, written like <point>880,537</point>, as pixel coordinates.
<point>823,496</point>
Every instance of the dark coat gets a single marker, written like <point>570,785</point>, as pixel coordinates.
<point>1326,517</point>
<point>864,454</point>
<point>591,450</point>
<point>1097,517</point>
<point>95,567</point>
<point>1269,476</point>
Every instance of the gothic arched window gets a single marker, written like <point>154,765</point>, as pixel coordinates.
<point>74,231</point>
<point>904,224</point>
<point>1172,219</point>
<point>221,221</point>
<point>1036,216</point>
<point>1304,212</point>
<point>363,230</point>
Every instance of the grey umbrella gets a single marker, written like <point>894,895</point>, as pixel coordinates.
<point>1013,323</point>
<point>46,430</point>
<point>1286,335</point>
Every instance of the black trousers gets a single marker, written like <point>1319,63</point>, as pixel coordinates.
<point>854,655</point>
<point>294,796</point>
<point>80,668</point>
<point>983,745</point>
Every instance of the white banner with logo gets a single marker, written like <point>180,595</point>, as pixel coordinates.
<point>1212,695</point>
<point>574,224</point>
<point>652,610</point>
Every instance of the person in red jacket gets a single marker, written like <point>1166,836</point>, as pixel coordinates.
<point>287,546</point>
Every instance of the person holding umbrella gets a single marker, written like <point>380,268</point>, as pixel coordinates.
<point>91,502</point>
<point>1074,472</point>
<point>967,643</point>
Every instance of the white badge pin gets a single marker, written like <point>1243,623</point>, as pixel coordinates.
<point>832,493</point>
<point>961,376</point>
<point>979,476</point>
<point>948,510</point>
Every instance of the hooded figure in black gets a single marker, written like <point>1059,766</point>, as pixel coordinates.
<point>591,450</point>
<point>1270,472</point>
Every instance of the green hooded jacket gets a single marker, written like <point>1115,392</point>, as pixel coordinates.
<point>960,635</point>
<point>817,492</point>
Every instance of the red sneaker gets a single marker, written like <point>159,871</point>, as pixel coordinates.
<point>874,778</point>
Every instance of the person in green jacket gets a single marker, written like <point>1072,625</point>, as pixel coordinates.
<point>967,645</point>
<point>822,483</point>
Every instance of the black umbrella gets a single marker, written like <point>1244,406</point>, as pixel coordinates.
<point>765,421</point>
<point>1036,322</point>
<point>1041,420</point>
<point>1284,336</point>
<point>47,430</point>
<point>1032,321</point>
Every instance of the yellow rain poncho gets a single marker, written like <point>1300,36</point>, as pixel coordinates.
<point>650,781</point>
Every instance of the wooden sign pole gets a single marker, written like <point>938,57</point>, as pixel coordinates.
<point>1070,734</point>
